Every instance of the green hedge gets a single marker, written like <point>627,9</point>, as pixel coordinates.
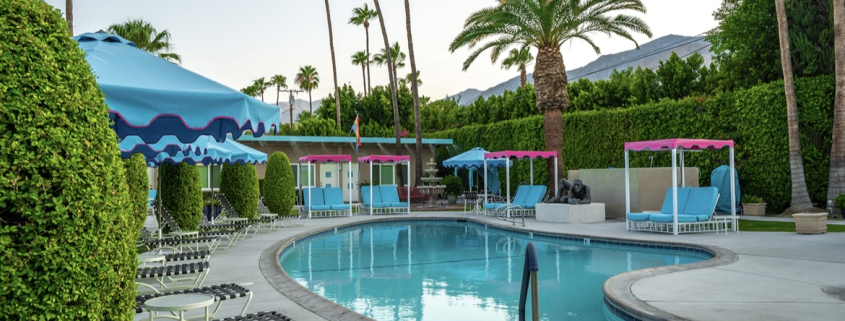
<point>754,118</point>
<point>139,188</point>
<point>66,234</point>
<point>280,191</point>
<point>240,185</point>
<point>181,194</point>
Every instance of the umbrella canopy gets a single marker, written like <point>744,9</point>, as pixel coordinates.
<point>167,144</point>
<point>228,152</point>
<point>473,160</point>
<point>150,97</point>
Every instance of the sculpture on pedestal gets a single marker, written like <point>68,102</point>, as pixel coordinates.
<point>572,193</point>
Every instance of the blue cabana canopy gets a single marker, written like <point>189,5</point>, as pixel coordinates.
<point>473,160</point>
<point>167,144</point>
<point>214,153</point>
<point>150,97</point>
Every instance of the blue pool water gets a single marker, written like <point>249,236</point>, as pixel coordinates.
<point>442,270</point>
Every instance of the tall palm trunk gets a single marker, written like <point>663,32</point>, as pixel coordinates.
<point>310,105</point>
<point>836,180</point>
<point>278,89</point>
<point>418,168</point>
<point>392,77</point>
<point>523,76</point>
<point>364,75</point>
<point>334,65</point>
<point>800,197</point>
<point>550,88</point>
<point>369,83</point>
<point>69,14</point>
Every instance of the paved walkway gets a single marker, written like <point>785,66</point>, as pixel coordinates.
<point>772,276</point>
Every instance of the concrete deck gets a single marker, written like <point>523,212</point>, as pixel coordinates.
<point>767,276</point>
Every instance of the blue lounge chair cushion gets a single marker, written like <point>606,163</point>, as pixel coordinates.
<point>365,195</point>
<point>638,216</point>
<point>399,204</point>
<point>521,194</point>
<point>316,197</point>
<point>534,196</point>
<point>493,206</point>
<point>702,201</point>
<point>381,205</point>
<point>683,195</point>
<point>321,207</point>
<point>333,196</point>
<point>342,207</point>
<point>667,218</point>
<point>389,194</point>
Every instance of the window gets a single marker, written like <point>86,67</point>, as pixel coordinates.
<point>209,175</point>
<point>299,174</point>
<point>386,174</point>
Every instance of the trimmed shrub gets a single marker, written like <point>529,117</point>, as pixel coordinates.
<point>280,191</point>
<point>139,186</point>
<point>181,194</point>
<point>453,185</point>
<point>240,185</point>
<point>66,235</point>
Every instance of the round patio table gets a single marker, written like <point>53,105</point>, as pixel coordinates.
<point>179,303</point>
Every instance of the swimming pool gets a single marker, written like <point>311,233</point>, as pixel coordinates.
<point>448,270</point>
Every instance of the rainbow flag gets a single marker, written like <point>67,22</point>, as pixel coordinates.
<point>356,128</point>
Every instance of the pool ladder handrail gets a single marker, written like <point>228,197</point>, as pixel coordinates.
<point>529,273</point>
<point>502,211</point>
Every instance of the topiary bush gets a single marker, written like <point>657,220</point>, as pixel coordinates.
<point>138,184</point>
<point>279,188</point>
<point>181,194</point>
<point>240,185</point>
<point>66,234</point>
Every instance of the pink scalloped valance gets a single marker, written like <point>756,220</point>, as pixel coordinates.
<point>681,143</point>
<point>384,159</point>
<point>519,154</point>
<point>326,159</point>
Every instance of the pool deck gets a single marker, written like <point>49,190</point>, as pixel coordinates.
<point>765,276</point>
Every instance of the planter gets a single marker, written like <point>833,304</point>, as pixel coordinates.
<point>452,199</point>
<point>810,223</point>
<point>754,209</point>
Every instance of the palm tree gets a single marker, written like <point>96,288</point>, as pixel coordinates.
<point>800,197</point>
<point>396,55</point>
<point>407,79</point>
<point>519,58</point>
<point>69,14</point>
<point>392,77</point>
<point>361,58</point>
<point>308,79</point>
<point>362,16</point>
<point>334,64</point>
<point>415,82</point>
<point>250,90</point>
<point>147,38</point>
<point>836,180</point>
<point>547,25</point>
<point>280,82</point>
<point>261,86</point>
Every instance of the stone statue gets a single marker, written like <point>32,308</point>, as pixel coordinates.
<point>579,193</point>
<point>571,193</point>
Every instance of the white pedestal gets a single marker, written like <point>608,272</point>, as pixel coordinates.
<point>566,213</point>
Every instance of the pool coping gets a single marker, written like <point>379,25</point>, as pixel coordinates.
<point>618,297</point>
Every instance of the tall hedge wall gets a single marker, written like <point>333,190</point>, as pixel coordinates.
<point>240,185</point>
<point>139,186</point>
<point>754,118</point>
<point>280,188</point>
<point>181,194</point>
<point>66,238</point>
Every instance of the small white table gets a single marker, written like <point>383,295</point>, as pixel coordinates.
<point>179,303</point>
<point>150,257</point>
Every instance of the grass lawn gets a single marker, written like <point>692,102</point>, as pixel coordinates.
<point>769,226</point>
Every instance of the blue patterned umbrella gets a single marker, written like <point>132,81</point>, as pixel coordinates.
<point>149,97</point>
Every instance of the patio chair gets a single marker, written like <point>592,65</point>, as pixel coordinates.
<point>191,244</point>
<point>220,293</point>
<point>163,275</point>
<point>230,235</point>
<point>334,198</point>
<point>519,198</point>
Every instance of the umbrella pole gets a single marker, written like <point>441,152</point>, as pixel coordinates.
<point>160,201</point>
<point>211,208</point>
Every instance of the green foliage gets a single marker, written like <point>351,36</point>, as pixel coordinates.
<point>447,114</point>
<point>137,181</point>
<point>453,185</point>
<point>318,127</point>
<point>840,201</point>
<point>181,194</point>
<point>66,228</point>
<point>750,199</point>
<point>280,192</point>
<point>754,118</point>
<point>746,42</point>
<point>240,185</point>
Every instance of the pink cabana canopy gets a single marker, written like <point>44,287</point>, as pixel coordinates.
<point>681,143</point>
<point>519,154</point>
<point>326,159</point>
<point>384,159</point>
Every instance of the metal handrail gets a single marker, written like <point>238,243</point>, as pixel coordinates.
<point>529,273</point>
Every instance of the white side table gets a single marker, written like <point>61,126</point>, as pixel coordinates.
<point>179,303</point>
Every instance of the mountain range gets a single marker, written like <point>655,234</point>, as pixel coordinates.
<point>648,55</point>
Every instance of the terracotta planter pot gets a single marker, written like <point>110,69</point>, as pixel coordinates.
<point>810,223</point>
<point>754,209</point>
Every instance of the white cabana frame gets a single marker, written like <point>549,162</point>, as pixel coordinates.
<point>386,159</point>
<point>508,154</point>
<point>677,146</point>
<point>325,159</point>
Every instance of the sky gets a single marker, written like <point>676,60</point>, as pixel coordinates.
<point>236,42</point>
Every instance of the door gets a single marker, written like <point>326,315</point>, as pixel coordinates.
<point>350,180</point>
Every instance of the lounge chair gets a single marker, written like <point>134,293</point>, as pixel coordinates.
<point>220,293</point>
<point>385,200</point>
<point>231,235</point>
<point>259,316</point>
<point>519,198</point>
<point>163,275</point>
<point>695,213</point>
